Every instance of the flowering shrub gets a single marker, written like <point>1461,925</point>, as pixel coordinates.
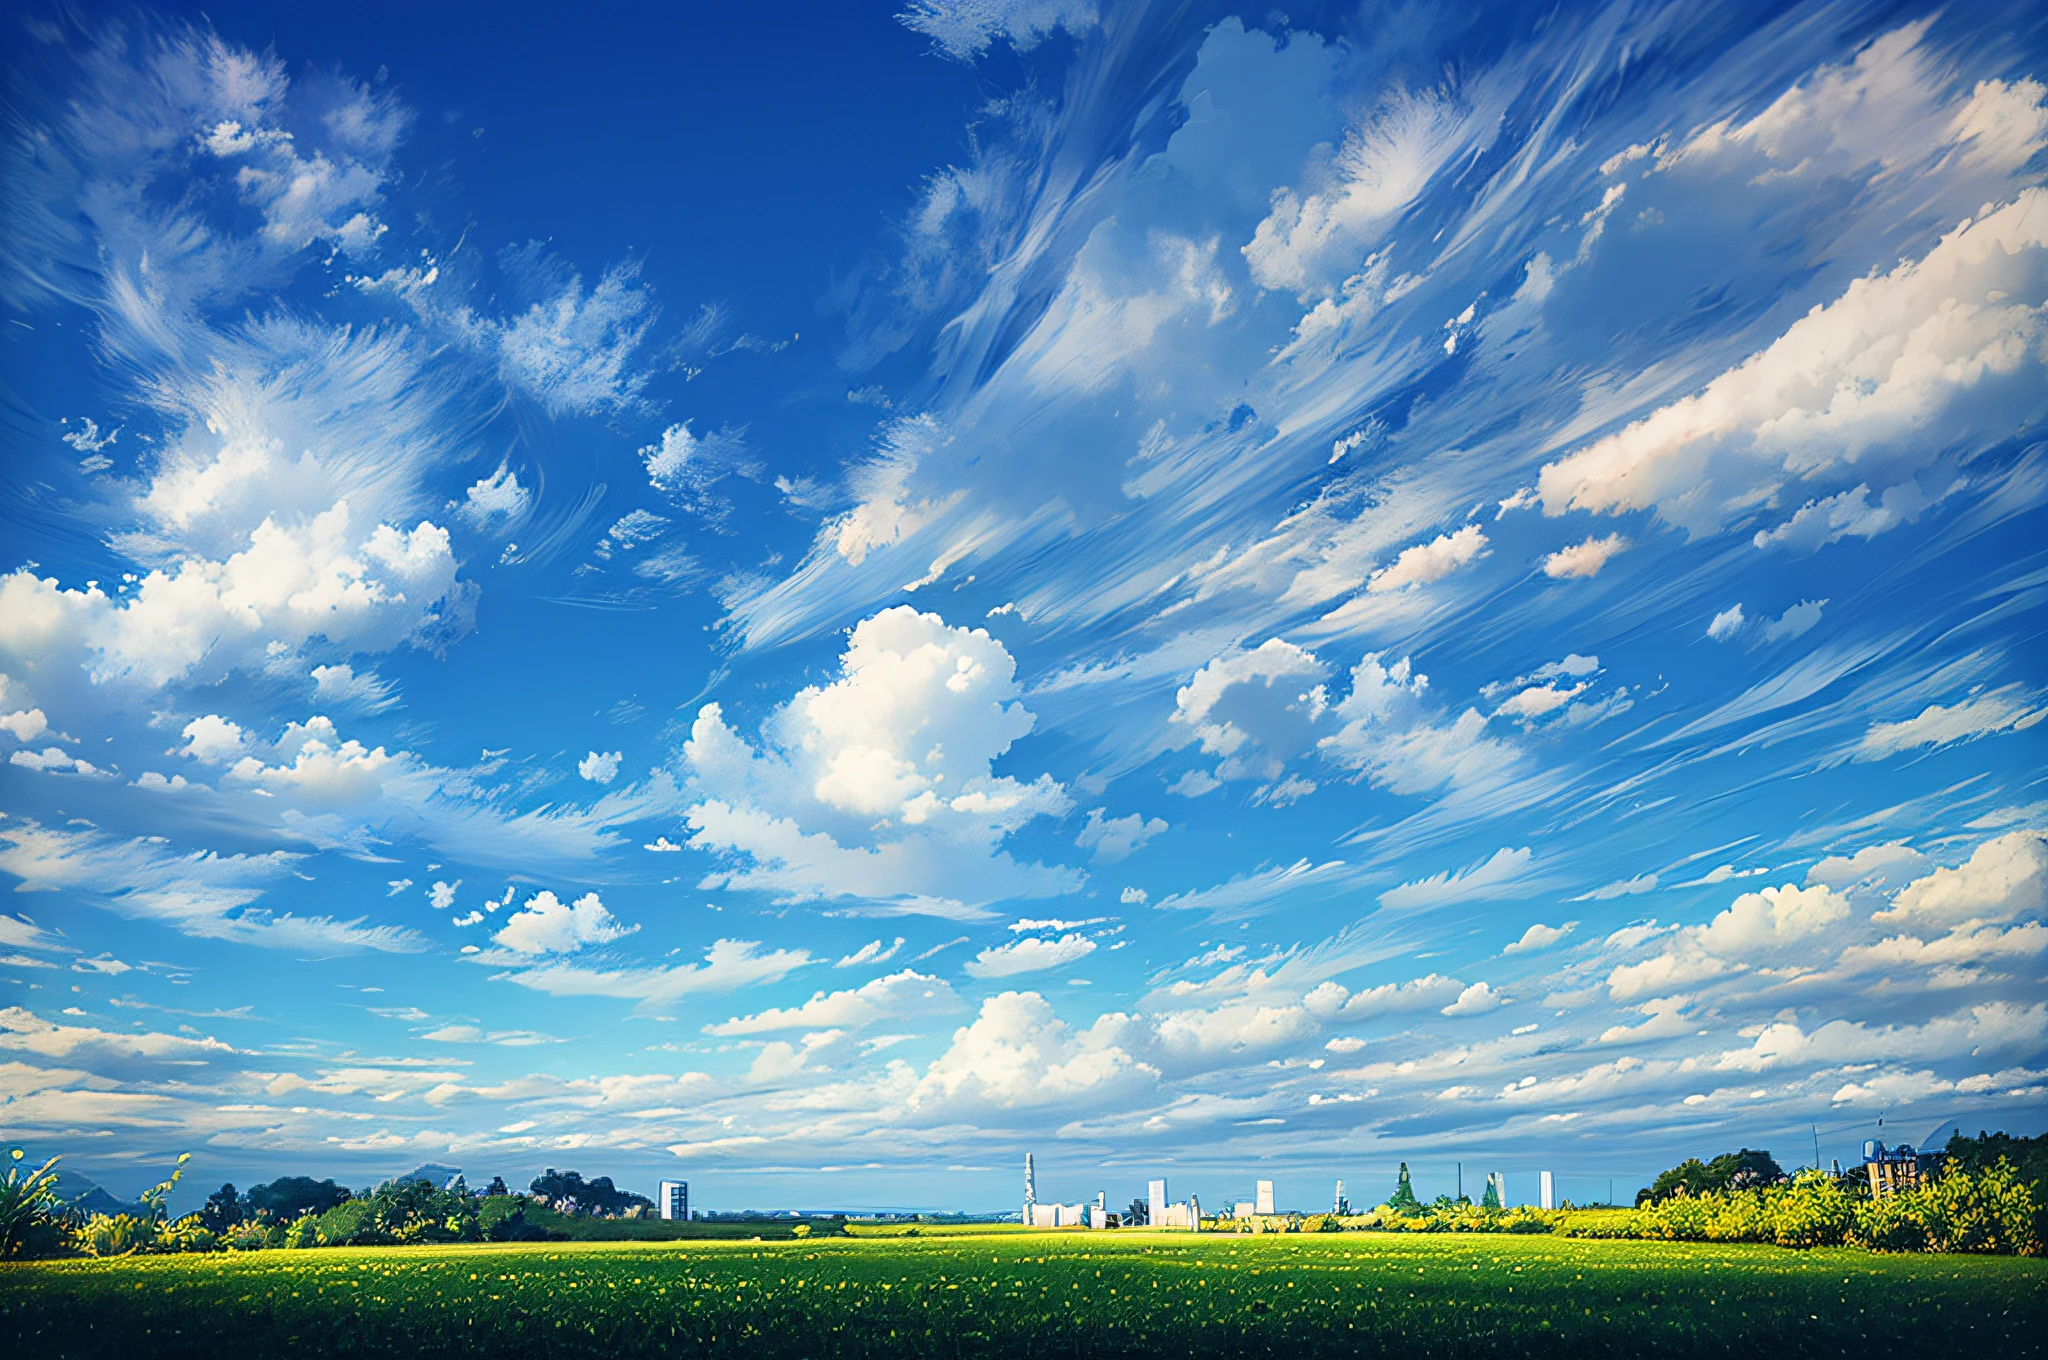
<point>1994,1211</point>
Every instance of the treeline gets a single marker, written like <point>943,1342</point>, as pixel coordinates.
<point>1990,1194</point>
<point>299,1212</point>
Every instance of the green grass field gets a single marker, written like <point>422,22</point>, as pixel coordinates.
<point>1036,1294</point>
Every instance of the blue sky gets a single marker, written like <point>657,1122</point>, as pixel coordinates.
<point>816,599</point>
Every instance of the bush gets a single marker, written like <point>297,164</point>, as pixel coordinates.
<point>1992,1212</point>
<point>302,1231</point>
<point>31,1216</point>
<point>189,1233</point>
<point>115,1235</point>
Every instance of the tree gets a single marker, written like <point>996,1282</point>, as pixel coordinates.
<point>285,1199</point>
<point>1746,1169</point>
<point>223,1210</point>
<point>1403,1199</point>
<point>496,1187</point>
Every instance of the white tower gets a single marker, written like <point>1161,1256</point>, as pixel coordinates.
<point>1030,1188</point>
<point>1155,1202</point>
<point>1265,1198</point>
<point>1546,1194</point>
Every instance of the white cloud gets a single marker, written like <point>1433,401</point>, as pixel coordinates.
<point>895,997</point>
<point>1477,999</point>
<point>1251,894</point>
<point>1494,877</point>
<point>1134,897</point>
<point>1794,622</point>
<point>213,740</point>
<point>600,767</point>
<point>894,753</point>
<point>202,618</point>
<point>2010,708</point>
<point>728,966</point>
<point>1389,736</point>
<point>1952,341</point>
<point>1621,887</point>
<point>874,951</point>
<point>53,760</point>
<point>1873,866</point>
<point>1996,1026</point>
<point>1538,700</point>
<point>1432,561</point>
<point>547,925</point>
<point>2005,877</point>
<point>1256,709</point>
<point>1018,1055</point>
<point>1726,624</point>
<point>340,684</point>
<point>1583,560</point>
<point>1755,927</point>
<point>1030,955</point>
<point>203,894</point>
<point>1115,838</point>
<point>965,28</point>
<point>319,767</point>
<point>1540,936</point>
<point>1309,241</point>
<point>442,895</point>
<point>26,725</point>
<point>574,352</point>
<point>1332,1001</point>
<point>498,497</point>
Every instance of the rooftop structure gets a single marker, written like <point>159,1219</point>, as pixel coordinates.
<point>1897,1168</point>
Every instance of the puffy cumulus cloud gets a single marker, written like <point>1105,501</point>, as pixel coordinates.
<point>1391,737</point>
<point>1310,241</point>
<point>547,925</point>
<point>728,966</point>
<point>1540,936</point>
<point>1952,341</point>
<point>1030,955</point>
<point>1477,999</point>
<point>1966,947</point>
<point>212,739</point>
<point>1431,561</point>
<point>1257,709</point>
<point>1874,866</point>
<point>495,501</point>
<point>202,894</point>
<point>1018,1054</point>
<point>1332,1001</point>
<point>876,789</point>
<point>1990,1028</point>
<point>1537,700</point>
<point>1726,624</point>
<point>2011,708</point>
<point>904,995</point>
<point>317,767</point>
<point>2005,877</point>
<point>1583,560</point>
<point>54,760</point>
<point>197,621</point>
<point>1115,838</point>
<point>963,29</point>
<point>1756,927</point>
<point>600,767</point>
<point>1502,874</point>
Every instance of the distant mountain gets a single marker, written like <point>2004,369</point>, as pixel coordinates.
<point>87,1195</point>
<point>433,1173</point>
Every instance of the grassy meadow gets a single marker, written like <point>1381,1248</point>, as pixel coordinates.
<point>964,1293</point>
